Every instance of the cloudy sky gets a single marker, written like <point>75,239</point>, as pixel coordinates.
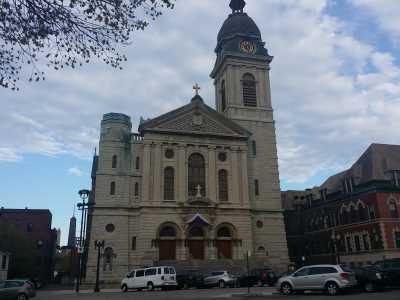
<point>335,86</point>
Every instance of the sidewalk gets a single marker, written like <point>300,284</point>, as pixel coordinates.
<point>72,292</point>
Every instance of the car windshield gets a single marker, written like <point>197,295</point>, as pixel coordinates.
<point>217,273</point>
<point>346,269</point>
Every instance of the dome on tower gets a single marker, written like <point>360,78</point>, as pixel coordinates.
<point>238,24</point>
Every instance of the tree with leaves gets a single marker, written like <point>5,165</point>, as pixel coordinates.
<point>68,33</point>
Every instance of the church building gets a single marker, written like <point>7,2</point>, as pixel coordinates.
<point>196,186</point>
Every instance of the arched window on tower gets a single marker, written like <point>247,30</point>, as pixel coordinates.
<point>137,163</point>
<point>112,188</point>
<point>197,175</point>
<point>223,185</point>
<point>249,90</point>
<point>136,189</point>
<point>169,180</point>
<point>114,162</point>
<point>223,96</point>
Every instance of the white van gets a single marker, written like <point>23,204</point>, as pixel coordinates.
<point>149,278</point>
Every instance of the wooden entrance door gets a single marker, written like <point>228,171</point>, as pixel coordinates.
<point>196,249</point>
<point>167,249</point>
<point>224,249</point>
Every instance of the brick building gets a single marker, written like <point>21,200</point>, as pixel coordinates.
<point>352,217</point>
<point>4,261</point>
<point>36,225</point>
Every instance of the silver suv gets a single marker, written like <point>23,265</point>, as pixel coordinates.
<point>220,279</point>
<point>331,278</point>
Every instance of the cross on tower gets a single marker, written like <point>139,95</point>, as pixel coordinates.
<point>197,88</point>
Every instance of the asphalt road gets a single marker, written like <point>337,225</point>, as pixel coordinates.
<point>209,294</point>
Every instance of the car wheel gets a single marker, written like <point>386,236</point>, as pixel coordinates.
<point>150,286</point>
<point>124,288</point>
<point>221,284</point>
<point>286,288</point>
<point>369,287</point>
<point>332,289</point>
<point>22,297</point>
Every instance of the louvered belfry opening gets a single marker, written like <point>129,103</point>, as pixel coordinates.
<point>249,90</point>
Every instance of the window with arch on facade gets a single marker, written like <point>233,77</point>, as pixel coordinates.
<point>393,209</point>
<point>108,259</point>
<point>223,185</point>
<point>114,162</point>
<point>112,188</point>
<point>169,181</point>
<point>223,96</point>
<point>136,189</point>
<point>249,90</point>
<point>254,147</point>
<point>196,175</point>
<point>137,163</point>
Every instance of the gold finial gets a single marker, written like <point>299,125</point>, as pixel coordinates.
<point>197,88</point>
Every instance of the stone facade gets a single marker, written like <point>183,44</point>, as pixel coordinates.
<point>223,197</point>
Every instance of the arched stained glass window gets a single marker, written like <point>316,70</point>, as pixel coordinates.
<point>223,185</point>
<point>197,175</point>
<point>169,180</point>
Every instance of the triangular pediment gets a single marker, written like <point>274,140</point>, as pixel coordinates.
<point>195,118</point>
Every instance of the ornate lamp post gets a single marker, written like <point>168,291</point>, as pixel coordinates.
<point>84,195</point>
<point>98,245</point>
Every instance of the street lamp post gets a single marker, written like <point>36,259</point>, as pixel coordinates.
<point>98,245</point>
<point>84,195</point>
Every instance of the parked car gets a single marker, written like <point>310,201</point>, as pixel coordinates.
<point>190,278</point>
<point>16,290</point>
<point>331,278</point>
<point>390,268</point>
<point>220,279</point>
<point>150,278</point>
<point>257,277</point>
<point>266,276</point>
<point>370,278</point>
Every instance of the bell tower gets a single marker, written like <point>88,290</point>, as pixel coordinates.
<point>243,94</point>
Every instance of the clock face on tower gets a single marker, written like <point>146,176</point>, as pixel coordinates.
<point>247,47</point>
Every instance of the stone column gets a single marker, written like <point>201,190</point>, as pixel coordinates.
<point>182,166</point>
<point>244,199</point>
<point>157,173</point>
<point>212,178</point>
<point>146,172</point>
<point>235,176</point>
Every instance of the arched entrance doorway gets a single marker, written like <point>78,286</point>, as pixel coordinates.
<point>224,243</point>
<point>167,243</point>
<point>196,242</point>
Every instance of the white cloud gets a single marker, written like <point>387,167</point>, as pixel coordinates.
<point>386,12</point>
<point>328,108</point>
<point>9,155</point>
<point>75,171</point>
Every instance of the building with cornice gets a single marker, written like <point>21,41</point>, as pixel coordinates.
<point>197,186</point>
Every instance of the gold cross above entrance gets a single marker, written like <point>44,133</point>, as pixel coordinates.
<point>197,88</point>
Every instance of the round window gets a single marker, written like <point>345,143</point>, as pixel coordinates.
<point>169,153</point>
<point>222,156</point>
<point>110,227</point>
<point>259,224</point>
